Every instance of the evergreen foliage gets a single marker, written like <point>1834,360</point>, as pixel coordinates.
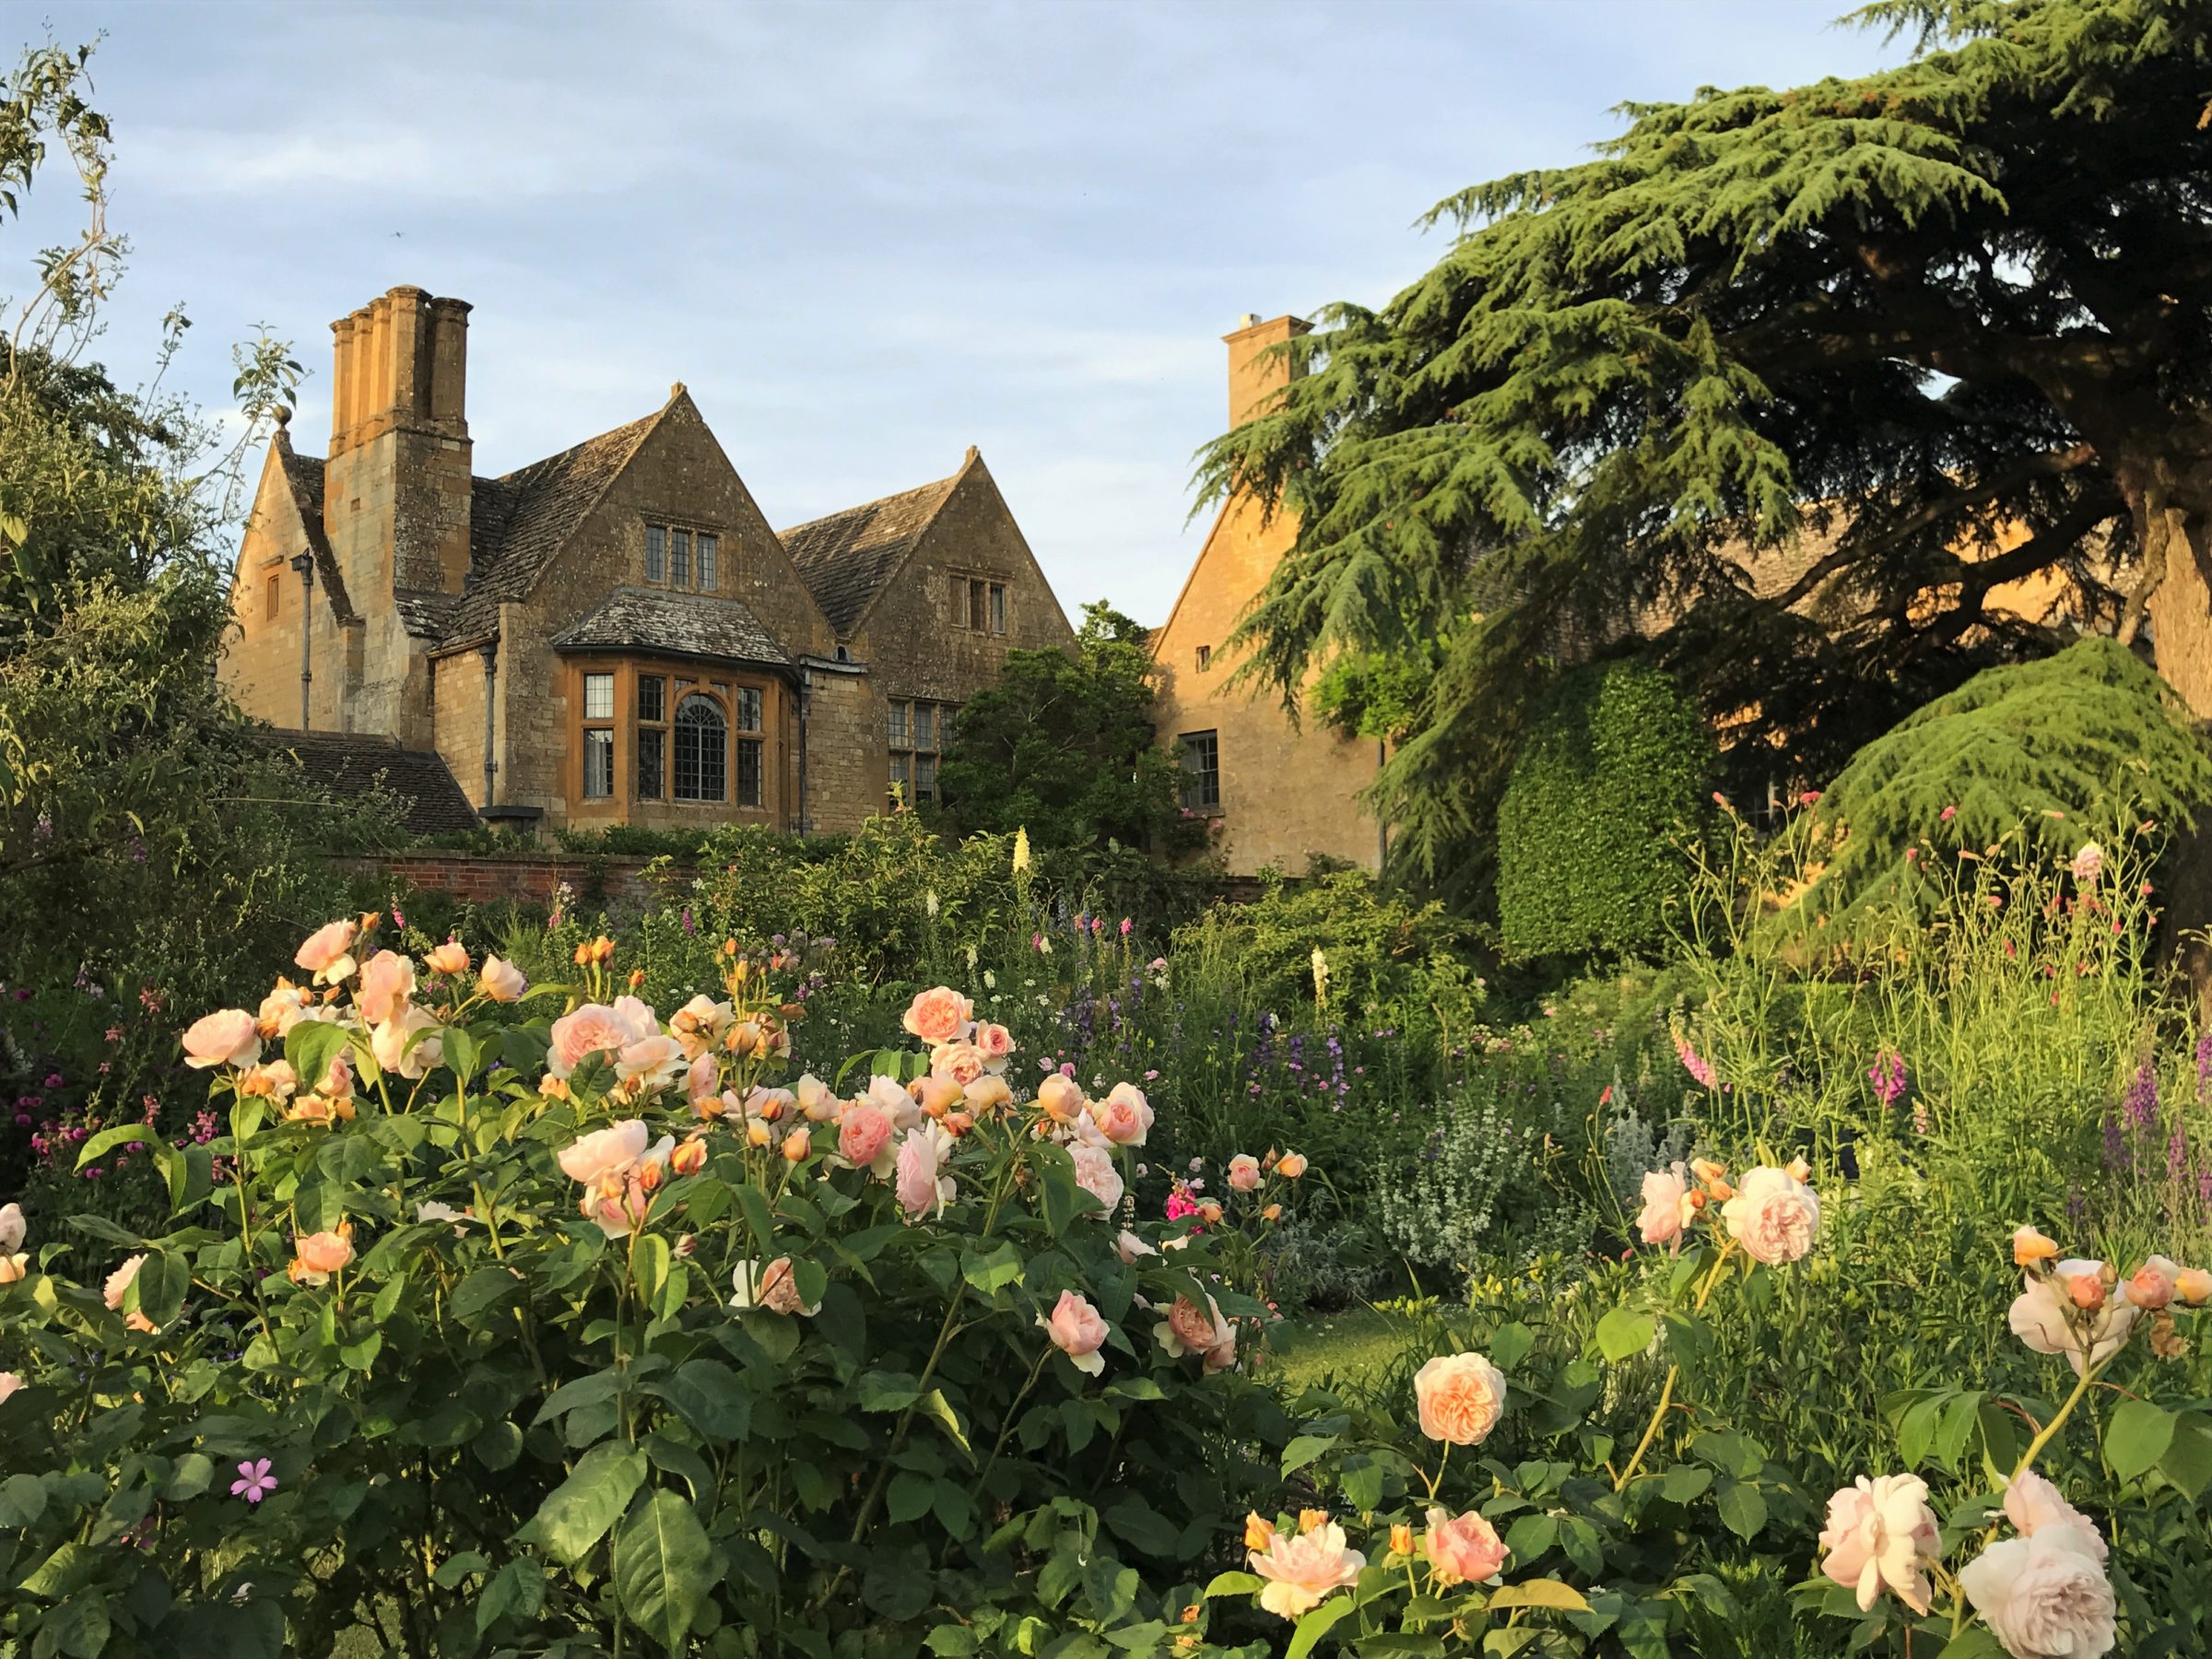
<point>1065,747</point>
<point>1613,775</point>
<point>1894,341</point>
<point>2044,755</point>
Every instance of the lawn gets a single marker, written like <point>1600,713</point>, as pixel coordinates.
<point>1358,1345</point>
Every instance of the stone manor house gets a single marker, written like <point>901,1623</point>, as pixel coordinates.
<point>614,634</point>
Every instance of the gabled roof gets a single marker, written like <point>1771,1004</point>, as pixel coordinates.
<point>518,522</point>
<point>674,625</point>
<point>303,477</point>
<point>353,763</point>
<point>848,557</point>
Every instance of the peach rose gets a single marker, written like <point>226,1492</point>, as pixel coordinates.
<point>2193,1285</point>
<point>864,1138</point>
<point>387,986</point>
<point>228,1037</point>
<point>939,1096</point>
<point>605,1151</point>
<point>1291,1165</point>
<point>962,1063</point>
<point>450,959</point>
<point>1882,1536</point>
<point>775,1288</point>
<point>2154,1284</point>
<point>1463,1551</point>
<point>996,1043</point>
<point>702,1085</point>
<point>502,981</point>
<point>798,1146</point>
<point>618,1199</point>
<point>1096,1174</point>
<point>328,953</point>
<point>938,1015</point>
<point>889,1096</point>
<point>13,1268</point>
<point>9,1383</point>
<point>1077,1330</point>
<point>1305,1569</point>
<point>1460,1398</point>
<point>1060,1098</point>
<point>701,1023</point>
<point>318,1256</point>
<point>118,1282</point>
<point>816,1098</point>
<point>1244,1172</point>
<point>1190,1329</point>
<point>2032,1503</point>
<point>2029,1246</point>
<point>2045,1317</point>
<point>1773,1216</point>
<point>401,1046</point>
<point>283,1008</point>
<point>989,1092</point>
<point>1124,1121</point>
<point>652,1062</point>
<point>2044,1597</point>
<point>1666,1207</point>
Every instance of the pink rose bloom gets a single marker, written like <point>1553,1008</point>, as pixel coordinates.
<point>1121,1121</point>
<point>9,1383</point>
<point>2154,1283</point>
<point>502,981</point>
<point>864,1137</point>
<point>1460,1398</point>
<point>2045,1318</point>
<point>938,1015</point>
<point>1463,1551</point>
<point>703,1082</point>
<point>1304,1570</point>
<point>1096,1174</point>
<point>605,1151</point>
<point>815,1098</point>
<point>996,1043</point>
<point>1773,1216</point>
<point>620,1197</point>
<point>2032,1503</point>
<point>2089,861</point>
<point>962,1063</point>
<point>1667,1208</point>
<point>1881,1535</point>
<point>1244,1172</point>
<point>921,1179</point>
<point>328,953</point>
<point>387,986</point>
<point>399,1047</point>
<point>283,1008</point>
<point>12,1229</point>
<point>592,1029</point>
<point>775,1288</point>
<point>2044,1597</point>
<point>228,1037</point>
<point>450,959</point>
<point>1077,1330</point>
<point>890,1097</point>
<point>1130,1248</point>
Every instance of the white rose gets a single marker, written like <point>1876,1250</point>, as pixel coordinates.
<point>2044,1597</point>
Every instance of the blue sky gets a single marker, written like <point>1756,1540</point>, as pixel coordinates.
<point>866,235</point>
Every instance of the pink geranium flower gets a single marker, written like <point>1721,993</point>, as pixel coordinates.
<point>254,1481</point>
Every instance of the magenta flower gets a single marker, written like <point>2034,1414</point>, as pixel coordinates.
<point>1692,1062</point>
<point>1887,1075</point>
<point>254,1481</point>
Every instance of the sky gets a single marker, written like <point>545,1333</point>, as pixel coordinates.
<point>865,234</point>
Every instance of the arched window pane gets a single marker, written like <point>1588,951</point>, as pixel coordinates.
<point>701,750</point>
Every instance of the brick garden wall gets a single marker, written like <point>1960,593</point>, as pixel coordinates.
<point>525,877</point>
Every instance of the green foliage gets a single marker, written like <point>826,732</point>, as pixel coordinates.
<point>1375,694</point>
<point>1612,778</point>
<point>1780,328</point>
<point>2041,756</point>
<point>1065,747</point>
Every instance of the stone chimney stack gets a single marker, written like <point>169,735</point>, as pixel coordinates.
<point>1255,379</point>
<point>397,482</point>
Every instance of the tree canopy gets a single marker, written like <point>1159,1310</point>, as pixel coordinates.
<point>1064,747</point>
<point>1903,339</point>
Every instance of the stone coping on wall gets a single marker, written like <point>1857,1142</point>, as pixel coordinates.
<point>525,877</point>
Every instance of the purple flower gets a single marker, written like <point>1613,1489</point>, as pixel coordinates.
<point>1887,1075</point>
<point>254,1481</point>
<point>2141,1103</point>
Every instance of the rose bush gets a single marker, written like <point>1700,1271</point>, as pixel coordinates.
<point>506,1319</point>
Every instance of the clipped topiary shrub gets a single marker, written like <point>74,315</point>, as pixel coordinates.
<point>2043,754</point>
<point>1615,770</point>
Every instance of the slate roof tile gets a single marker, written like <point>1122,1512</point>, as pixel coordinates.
<point>352,763</point>
<point>674,624</point>
<point>847,557</point>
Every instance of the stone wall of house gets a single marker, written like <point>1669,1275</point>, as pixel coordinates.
<point>261,658</point>
<point>846,764</point>
<point>458,687</point>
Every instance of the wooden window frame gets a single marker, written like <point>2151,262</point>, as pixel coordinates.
<point>1200,781</point>
<point>702,548</point>
<point>981,603</point>
<point>909,755</point>
<point>650,735</point>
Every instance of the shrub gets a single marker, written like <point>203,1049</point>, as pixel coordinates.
<point>1612,776</point>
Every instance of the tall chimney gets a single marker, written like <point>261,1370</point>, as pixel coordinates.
<point>1255,378</point>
